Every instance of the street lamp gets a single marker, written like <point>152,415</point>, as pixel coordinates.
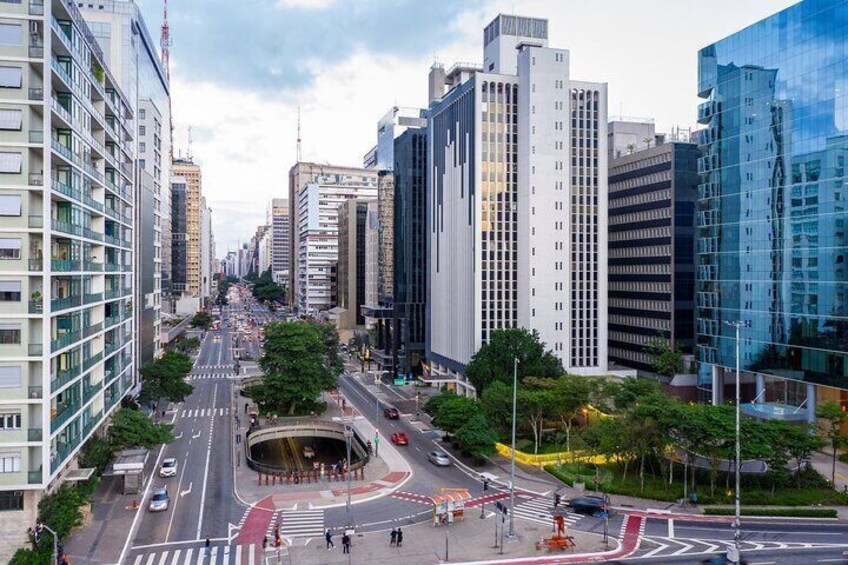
<point>512,469</point>
<point>348,434</point>
<point>737,522</point>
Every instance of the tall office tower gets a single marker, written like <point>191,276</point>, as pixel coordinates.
<point>179,235</point>
<point>396,121</point>
<point>66,254</point>
<point>315,193</point>
<point>517,204</point>
<point>120,30</point>
<point>373,266</point>
<point>385,237</point>
<point>190,171</point>
<point>351,270</point>
<point>771,213</point>
<point>206,255</point>
<point>280,240</point>
<point>652,195</point>
<point>410,250</point>
<point>266,250</point>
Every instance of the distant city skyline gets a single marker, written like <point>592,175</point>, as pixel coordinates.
<point>243,109</point>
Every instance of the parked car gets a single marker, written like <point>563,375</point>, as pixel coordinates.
<point>160,500</point>
<point>439,458</point>
<point>168,468</point>
<point>391,413</point>
<point>590,505</point>
<point>400,438</point>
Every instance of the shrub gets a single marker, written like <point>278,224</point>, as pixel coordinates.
<point>61,510</point>
<point>780,512</point>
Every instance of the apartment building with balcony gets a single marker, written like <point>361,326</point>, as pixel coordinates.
<point>66,251</point>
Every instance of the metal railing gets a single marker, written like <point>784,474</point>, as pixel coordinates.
<point>65,265</point>
<point>36,179</point>
<point>36,221</point>
<point>65,340</point>
<point>34,434</point>
<point>36,264</point>
<point>35,392</point>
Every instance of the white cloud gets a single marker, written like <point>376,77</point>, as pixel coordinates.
<point>310,4</point>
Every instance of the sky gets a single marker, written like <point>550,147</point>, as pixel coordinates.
<point>240,69</point>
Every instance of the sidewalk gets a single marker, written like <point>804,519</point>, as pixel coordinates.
<point>470,539</point>
<point>823,464</point>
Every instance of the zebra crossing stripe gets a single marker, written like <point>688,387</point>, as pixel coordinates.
<point>176,559</point>
<point>150,561</point>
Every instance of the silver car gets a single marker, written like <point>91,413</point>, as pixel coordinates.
<point>168,468</point>
<point>160,500</point>
<point>439,458</point>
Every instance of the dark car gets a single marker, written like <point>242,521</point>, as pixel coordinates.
<point>590,505</point>
<point>391,413</point>
<point>721,560</point>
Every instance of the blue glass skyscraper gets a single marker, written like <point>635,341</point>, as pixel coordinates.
<point>771,217</point>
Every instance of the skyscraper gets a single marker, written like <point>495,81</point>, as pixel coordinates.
<point>771,216</point>
<point>281,237</point>
<point>517,207</point>
<point>190,171</point>
<point>66,255</point>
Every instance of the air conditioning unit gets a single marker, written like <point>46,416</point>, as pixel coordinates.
<point>33,28</point>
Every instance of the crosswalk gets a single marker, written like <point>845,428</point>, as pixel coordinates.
<point>298,523</point>
<point>228,366</point>
<point>208,376</point>
<point>538,510</point>
<point>249,554</point>
<point>204,412</point>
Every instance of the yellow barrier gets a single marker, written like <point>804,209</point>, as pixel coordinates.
<point>550,458</point>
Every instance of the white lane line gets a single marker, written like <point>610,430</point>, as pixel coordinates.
<point>671,528</point>
<point>238,555</point>
<point>206,470</point>
<point>137,560</point>
<point>176,498</point>
<point>251,556</point>
<point>176,559</point>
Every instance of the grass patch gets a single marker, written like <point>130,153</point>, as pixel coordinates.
<point>779,512</point>
<point>756,491</point>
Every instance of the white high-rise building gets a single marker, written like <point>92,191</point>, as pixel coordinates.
<point>517,203</point>
<point>67,219</point>
<point>207,255</point>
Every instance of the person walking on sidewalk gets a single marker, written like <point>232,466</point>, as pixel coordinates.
<point>399,538</point>
<point>264,543</point>
<point>393,541</point>
<point>328,537</point>
<point>208,547</point>
<point>345,543</point>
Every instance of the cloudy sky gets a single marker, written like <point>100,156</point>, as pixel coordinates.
<point>241,68</point>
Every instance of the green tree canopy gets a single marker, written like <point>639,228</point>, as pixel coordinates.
<point>131,428</point>
<point>494,361</point>
<point>296,367</point>
<point>266,290</point>
<point>834,417</point>
<point>476,437</point>
<point>665,359</point>
<point>454,411</point>
<point>201,320</point>
<point>164,378</point>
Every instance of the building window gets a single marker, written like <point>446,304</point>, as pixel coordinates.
<point>11,77</point>
<point>10,291</point>
<point>10,205</point>
<point>11,34</point>
<point>142,113</point>
<point>10,248</point>
<point>10,162</point>
<point>142,147</point>
<point>10,463</point>
<point>10,377</point>
<point>11,500</point>
<point>10,421</point>
<point>10,334</point>
<point>142,130</point>
<point>10,119</point>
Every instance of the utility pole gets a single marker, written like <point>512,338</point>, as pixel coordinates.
<point>737,525</point>
<point>512,468</point>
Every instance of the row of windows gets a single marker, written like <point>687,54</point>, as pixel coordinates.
<point>640,322</point>
<point>644,233</point>
<point>638,269</point>
<point>641,164</point>
<point>646,251</point>
<point>656,214</point>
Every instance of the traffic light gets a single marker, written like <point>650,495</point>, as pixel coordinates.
<point>557,499</point>
<point>485,485</point>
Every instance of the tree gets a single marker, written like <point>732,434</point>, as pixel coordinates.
<point>476,437</point>
<point>296,367</point>
<point>495,360</point>
<point>165,378</point>
<point>453,412</point>
<point>665,359</point>
<point>131,428</point>
<point>834,417</point>
<point>331,343</point>
<point>626,392</point>
<point>533,406</point>
<point>801,442</point>
<point>570,395</point>
<point>431,407</point>
<point>497,405</point>
<point>266,290</point>
<point>201,320</point>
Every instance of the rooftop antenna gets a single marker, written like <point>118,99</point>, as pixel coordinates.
<point>298,135</point>
<point>190,140</point>
<point>165,48</point>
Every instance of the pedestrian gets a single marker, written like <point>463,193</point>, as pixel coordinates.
<point>245,407</point>
<point>400,538</point>
<point>346,543</point>
<point>276,531</point>
<point>208,546</point>
<point>264,543</point>
<point>238,438</point>
<point>393,540</point>
<point>377,444</point>
<point>368,444</point>
<point>328,537</point>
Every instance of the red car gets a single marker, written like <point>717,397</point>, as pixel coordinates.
<point>400,438</point>
<point>391,413</point>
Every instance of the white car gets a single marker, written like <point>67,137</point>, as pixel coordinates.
<point>169,468</point>
<point>160,500</point>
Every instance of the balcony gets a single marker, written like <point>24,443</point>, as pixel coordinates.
<point>88,391</point>
<point>113,267</point>
<point>111,321</point>
<point>127,291</point>
<point>92,361</point>
<point>91,234</point>
<point>36,264</point>
<point>66,227</point>
<point>65,303</point>
<point>65,265</point>
<point>35,392</point>
<point>92,422</point>
<point>64,377</point>
<point>112,294</point>
<point>36,8</point>
<point>111,400</point>
<point>36,307</point>
<point>36,221</point>
<point>92,266</point>
<point>36,179</point>
<point>34,477</point>
<point>36,136</point>
<point>93,203</point>
<point>36,93</point>
<point>92,297</point>
<point>112,239</point>
<point>92,329</point>
<point>35,349</point>
<point>67,190</point>
<point>62,451</point>
<point>34,434</point>
<point>65,340</point>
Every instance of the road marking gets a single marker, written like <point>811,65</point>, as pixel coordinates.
<point>137,560</point>
<point>671,528</point>
<point>150,560</point>
<point>206,469</point>
<point>185,492</point>
<point>174,509</point>
<point>197,435</point>
<point>176,557</point>
<point>238,555</point>
<point>189,551</point>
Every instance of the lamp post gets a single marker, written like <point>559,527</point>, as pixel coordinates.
<point>348,434</point>
<point>512,467</point>
<point>737,521</point>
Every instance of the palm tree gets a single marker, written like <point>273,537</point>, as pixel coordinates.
<point>631,147</point>
<point>648,139</point>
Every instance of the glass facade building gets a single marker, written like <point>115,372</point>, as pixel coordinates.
<point>771,217</point>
